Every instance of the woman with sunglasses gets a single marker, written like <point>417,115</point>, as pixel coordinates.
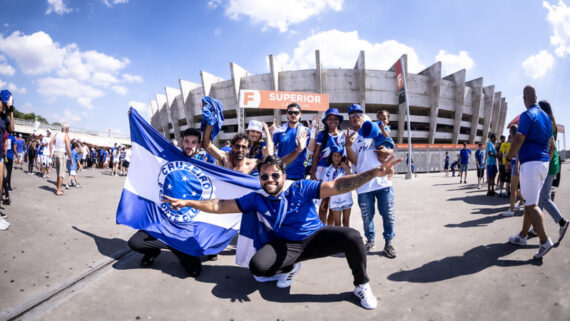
<point>259,147</point>
<point>285,211</point>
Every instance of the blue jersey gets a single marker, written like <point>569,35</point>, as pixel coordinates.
<point>285,142</point>
<point>338,140</point>
<point>447,160</point>
<point>10,151</point>
<point>291,215</point>
<point>491,160</point>
<point>73,161</point>
<point>464,154</point>
<point>257,154</point>
<point>479,158</point>
<point>535,124</point>
<point>20,145</point>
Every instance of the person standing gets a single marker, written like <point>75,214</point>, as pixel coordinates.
<point>446,164</point>
<point>59,145</point>
<point>514,173</point>
<point>533,143</point>
<point>19,148</point>
<point>479,155</point>
<point>491,165</point>
<point>464,153</point>
<point>6,125</point>
<point>378,191</point>
<point>287,209</point>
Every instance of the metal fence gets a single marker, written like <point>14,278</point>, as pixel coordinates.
<point>23,122</point>
<point>427,160</point>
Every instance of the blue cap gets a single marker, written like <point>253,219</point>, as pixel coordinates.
<point>355,108</point>
<point>336,149</point>
<point>5,95</point>
<point>333,111</point>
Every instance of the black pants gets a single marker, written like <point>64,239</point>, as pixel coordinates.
<point>31,158</point>
<point>8,178</point>
<point>144,243</point>
<point>280,255</point>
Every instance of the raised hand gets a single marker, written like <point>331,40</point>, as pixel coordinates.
<point>350,138</point>
<point>301,140</point>
<point>387,167</point>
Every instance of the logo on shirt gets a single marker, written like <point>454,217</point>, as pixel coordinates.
<point>183,180</point>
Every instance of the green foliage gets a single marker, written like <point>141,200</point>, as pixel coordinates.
<point>29,116</point>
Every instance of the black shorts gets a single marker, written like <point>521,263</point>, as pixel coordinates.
<point>480,172</point>
<point>446,166</point>
<point>126,164</point>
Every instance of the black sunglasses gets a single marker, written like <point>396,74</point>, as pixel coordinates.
<point>290,112</point>
<point>265,177</point>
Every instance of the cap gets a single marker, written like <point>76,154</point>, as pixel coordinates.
<point>255,125</point>
<point>5,95</point>
<point>336,149</point>
<point>355,108</point>
<point>332,111</point>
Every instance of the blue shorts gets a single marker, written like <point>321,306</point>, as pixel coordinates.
<point>463,167</point>
<point>491,171</point>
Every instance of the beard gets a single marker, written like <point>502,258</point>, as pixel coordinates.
<point>238,155</point>
<point>273,190</point>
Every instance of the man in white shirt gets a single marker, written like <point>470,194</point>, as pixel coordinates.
<point>362,152</point>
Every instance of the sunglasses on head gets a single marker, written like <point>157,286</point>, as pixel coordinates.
<point>292,112</point>
<point>265,177</point>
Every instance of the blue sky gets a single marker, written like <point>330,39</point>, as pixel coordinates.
<point>86,61</point>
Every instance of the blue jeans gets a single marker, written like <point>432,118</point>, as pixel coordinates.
<point>385,199</point>
<point>544,201</point>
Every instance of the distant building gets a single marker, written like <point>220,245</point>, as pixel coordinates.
<point>444,110</point>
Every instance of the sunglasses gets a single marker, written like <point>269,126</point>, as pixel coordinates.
<point>265,177</point>
<point>291,112</point>
<point>355,115</point>
<point>238,147</point>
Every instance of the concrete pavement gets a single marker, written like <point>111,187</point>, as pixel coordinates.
<point>59,259</point>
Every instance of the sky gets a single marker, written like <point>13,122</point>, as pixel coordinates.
<point>86,61</point>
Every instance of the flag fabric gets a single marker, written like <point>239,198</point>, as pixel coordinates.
<point>159,168</point>
<point>212,114</point>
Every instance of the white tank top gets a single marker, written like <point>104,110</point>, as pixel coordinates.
<point>59,143</point>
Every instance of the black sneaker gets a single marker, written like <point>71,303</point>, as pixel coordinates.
<point>148,259</point>
<point>212,257</point>
<point>6,201</point>
<point>191,265</point>
<point>563,230</point>
<point>389,250</point>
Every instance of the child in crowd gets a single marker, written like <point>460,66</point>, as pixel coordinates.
<point>72,166</point>
<point>453,165</point>
<point>446,164</point>
<point>339,205</point>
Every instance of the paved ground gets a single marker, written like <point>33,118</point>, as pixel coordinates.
<point>59,257</point>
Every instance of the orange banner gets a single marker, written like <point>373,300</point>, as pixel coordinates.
<point>268,99</point>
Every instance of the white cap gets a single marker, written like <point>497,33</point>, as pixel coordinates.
<point>255,125</point>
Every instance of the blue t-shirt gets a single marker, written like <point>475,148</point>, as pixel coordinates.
<point>257,154</point>
<point>479,158</point>
<point>291,215</point>
<point>464,154</point>
<point>226,149</point>
<point>491,160</point>
<point>447,160</point>
<point>20,145</point>
<point>285,143</point>
<point>10,151</point>
<point>535,124</point>
<point>338,140</point>
<point>74,157</point>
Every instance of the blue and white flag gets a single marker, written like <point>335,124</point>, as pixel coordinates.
<point>159,168</point>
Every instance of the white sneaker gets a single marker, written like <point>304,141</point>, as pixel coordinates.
<point>518,207</point>
<point>367,298</point>
<point>543,249</point>
<point>508,213</point>
<point>532,232</point>
<point>517,240</point>
<point>262,279</point>
<point>285,279</point>
<point>4,225</point>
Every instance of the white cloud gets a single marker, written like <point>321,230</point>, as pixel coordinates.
<point>7,70</point>
<point>15,90</point>
<point>559,18</point>
<point>275,13</point>
<point>2,83</point>
<point>26,107</point>
<point>132,78</point>
<point>119,90</point>
<point>57,6</point>
<point>217,32</point>
<point>35,53</point>
<point>341,49</point>
<point>110,3</point>
<point>536,66</point>
<point>103,79</point>
<point>68,87</point>
<point>452,63</point>
<point>214,3</point>
<point>69,116</point>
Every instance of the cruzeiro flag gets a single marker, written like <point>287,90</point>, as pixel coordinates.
<point>159,168</point>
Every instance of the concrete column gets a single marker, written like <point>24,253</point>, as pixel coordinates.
<point>503,116</point>
<point>401,107</point>
<point>163,114</point>
<point>319,75</point>
<point>154,116</point>
<point>185,88</point>
<point>207,80</point>
<point>495,113</point>
<point>476,86</point>
<point>488,98</point>
<point>274,69</point>
<point>360,66</point>
<point>237,74</point>
<point>173,99</point>
<point>459,90</point>
<point>434,73</point>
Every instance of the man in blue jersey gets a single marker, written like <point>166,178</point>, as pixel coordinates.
<point>464,153</point>
<point>534,144</point>
<point>285,142</point>
<point>491,164</point>
<point>287,209</point>
<point>19,148</point>
<point>479,155</point>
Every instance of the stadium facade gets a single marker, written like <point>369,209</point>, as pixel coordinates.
<point>443,110</point>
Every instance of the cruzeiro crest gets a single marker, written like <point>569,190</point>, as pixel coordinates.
<point>184,181</point>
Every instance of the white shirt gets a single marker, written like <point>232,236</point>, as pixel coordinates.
<point>342,200</point>
<point>367,159</point>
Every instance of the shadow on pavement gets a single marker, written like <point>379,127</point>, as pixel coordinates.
<point>471,262</point>
<point>490,210</point>
<point>48,188</point>
<point>480,200</point>
<point>112,248</point>
<point>484,221</point>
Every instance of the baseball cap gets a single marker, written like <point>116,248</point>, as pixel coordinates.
<point>355,108</point>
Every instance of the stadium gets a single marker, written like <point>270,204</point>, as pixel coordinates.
<point>444,109</point>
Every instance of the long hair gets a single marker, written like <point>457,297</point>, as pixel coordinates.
<point>545,106</point>
<point>327,136</point>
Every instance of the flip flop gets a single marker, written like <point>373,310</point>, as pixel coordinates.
<point>60,194</point>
